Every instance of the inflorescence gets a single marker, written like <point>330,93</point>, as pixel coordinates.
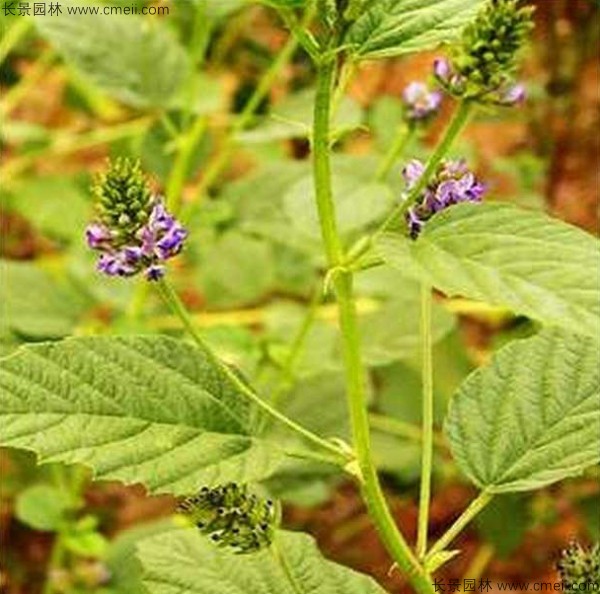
<point>452,183</point>
<point>134,232</point>
<point>482,66</point>
<point>578,566</point>
<point>233,517</point>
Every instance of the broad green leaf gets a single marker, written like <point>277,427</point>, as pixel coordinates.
<point>503,255</point>
<point>185,561</point>
<point>132,59</point>
<point>531,417</point>
<point>43,507</point>
<point>394,27</point>
<point>36,305</point>
<point>138,409</point>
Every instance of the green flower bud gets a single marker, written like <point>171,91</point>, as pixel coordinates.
<point>233,517</point>
<point>123,197</point>
<point>490,46</point>
<point>579,566</point>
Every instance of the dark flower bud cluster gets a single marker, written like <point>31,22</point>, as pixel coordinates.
<point>134,232</point>
<point>483,64</point>
<point>579,566</point>
<point>452,183</point>
<point>420,102</point>
<point>233,517</point>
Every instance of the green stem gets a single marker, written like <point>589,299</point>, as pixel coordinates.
<point>172,300</point>
<point>474,508</point>
<point>14,34</point>
<point>427,420</point>
<point>395,152</point>
<point>356,379</point>
<point>181,166</point>
<point>458,122</point>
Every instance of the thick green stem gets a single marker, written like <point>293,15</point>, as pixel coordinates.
<point>395,152</point>
<point>175,304</point>
<point>355,371</point>
<point>427,419</point>
<point>474,508</point>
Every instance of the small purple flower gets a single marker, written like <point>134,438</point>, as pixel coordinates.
<point>514,95</point>
<point>442,70</point>
<point>452,184</point>
<point>97,236</point>
<point>161,237</point>
<point>115,264</point>
<point>421,103</point>
<point>412,171</point>
<point>154,272</point>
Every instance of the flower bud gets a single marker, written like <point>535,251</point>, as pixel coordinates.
<point>487,56</point>
<point>578,567</point>
<point>233,517</point>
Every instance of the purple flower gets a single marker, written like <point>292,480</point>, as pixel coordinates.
<point>115,264</point>
<point>412,171</point>
<point>154,272</point>
<point>161,237</point>
<point>514,95</point>
<point>442,70</point>
<point>421,103</point>
<point>453,183</point>
<point>97,236</point>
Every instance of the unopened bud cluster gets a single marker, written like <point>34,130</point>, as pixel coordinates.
<point>579,566</point>
<point>483,63</point>
<point>233,517</point>
<point>134,232</point>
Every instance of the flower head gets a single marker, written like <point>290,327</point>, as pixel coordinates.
<point>135,232</point>
<point>421,103</point>
<point>578,566</point>
<point>233,517</point>
<point>483,64</point>
<point>452,183</point>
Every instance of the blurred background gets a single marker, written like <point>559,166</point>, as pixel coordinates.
<point>215,101</point>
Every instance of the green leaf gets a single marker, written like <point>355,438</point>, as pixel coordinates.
<point>132,59</point>
<point>185,561</point>
<point>42,507</point>
<point>36,305</point>
<point>394,27</point>
<point>497,253</point>
<point>139,409</point>
<point>532,416</point>
<point>244,270</point>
